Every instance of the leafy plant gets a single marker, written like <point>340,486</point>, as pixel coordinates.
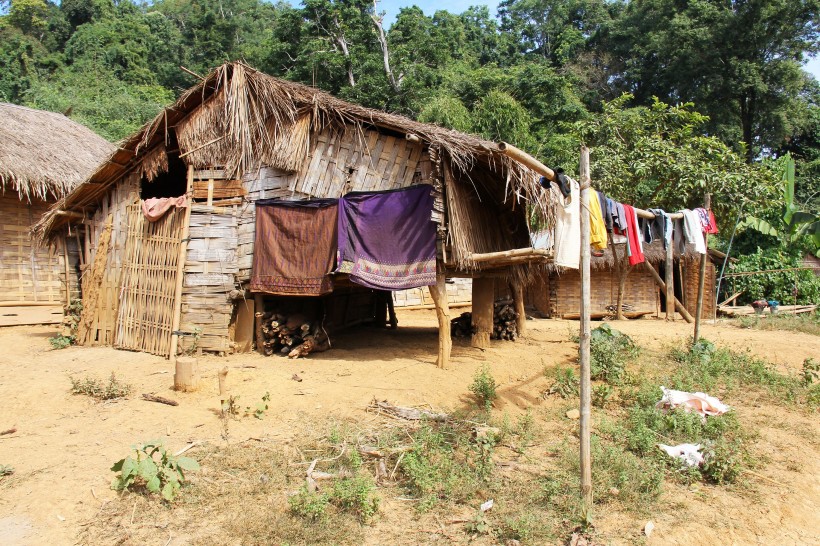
<point>609,352</point>
<point>811,371</point>
<point>61,341</point>
<point>483,387</point>
<point>310,505</point>
<point>154,468</point>
<point>260,408</point>
<point>566,383</point>
<point>356,495</point>
<point>601,394</point>
<point>96,388</point>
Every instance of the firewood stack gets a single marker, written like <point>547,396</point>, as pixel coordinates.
<point>504,326</point>
<point>293,336</point>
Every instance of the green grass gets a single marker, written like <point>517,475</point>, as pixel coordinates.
<point>808,323</point>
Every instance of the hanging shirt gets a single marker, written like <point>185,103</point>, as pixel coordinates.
<point>634,236</point>
<point>707,220</point>
<point>607,214</point>
<point>693,229</point>
<point>661,226</point>
<point>597,228</point>
<point>568,227</point>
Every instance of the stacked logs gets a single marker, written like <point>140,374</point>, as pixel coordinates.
<point>504,325</point>
<point>293,335</point>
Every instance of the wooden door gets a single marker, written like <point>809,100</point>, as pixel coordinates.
<point>149,272</point>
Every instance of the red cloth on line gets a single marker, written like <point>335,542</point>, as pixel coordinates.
<point>712,224</point>
<point>634,236</point>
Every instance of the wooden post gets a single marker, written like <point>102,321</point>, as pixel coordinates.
<point>518,301</point>
<point>707,204</point>
<point>483,296</point>
<point>584,345</point>
<point>439,293</point>
<point>223,386</point>
<point>67,271</point>
<point>678,305</point>
<point>259,306</point>
<point>183,250</point>
<point>670,282</point>
<point>186,376</point>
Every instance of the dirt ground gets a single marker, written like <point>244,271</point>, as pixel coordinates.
<point>65,444</point>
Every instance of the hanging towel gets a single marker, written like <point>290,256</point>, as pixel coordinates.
<point>707,220</point>
<point>387,240</point>
<point>155,208</point>
<point>568,227</point>
<point>634,236</point>
<point>693,229</point>
<point>295,247</point>
<point>597,228</point>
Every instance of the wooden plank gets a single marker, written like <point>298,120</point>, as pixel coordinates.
<point>221,189</point>
<point>20,316</point>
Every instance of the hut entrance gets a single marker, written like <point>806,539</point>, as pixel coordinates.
<point>149,271</point>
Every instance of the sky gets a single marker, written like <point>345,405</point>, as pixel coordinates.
<point>392,7</point>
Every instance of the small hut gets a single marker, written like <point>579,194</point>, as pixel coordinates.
<point>43,155</point>
<point>555,293</point>
<point>240,141</point>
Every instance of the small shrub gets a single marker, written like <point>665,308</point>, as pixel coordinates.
<point>601,394</point>
<point>96,388</point>
<point>483,387</point>
<point>811,371</point>
<point>566,383</point>
<point>723,461</point>
<point>309,505</point>
<point>356,495</point>
<point>164,475</point>
<point>61,342</point>
<point>609,352</point>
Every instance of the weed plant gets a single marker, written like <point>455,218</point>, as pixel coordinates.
<point>100,390</point>
<point>808,323</point>
<point>483,387</point>
<point>610,350</point>
<point>566,383</point>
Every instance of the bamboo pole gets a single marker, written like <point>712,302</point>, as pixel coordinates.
<point>707,204</point>
<point>492,256</point>
<point>183,250</point>
<point>584,345</point>
<point>678,305</point>
<point>670,282</point>
<point>67,271</point>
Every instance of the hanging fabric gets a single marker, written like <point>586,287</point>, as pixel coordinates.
<point>707,220</point>
<point>615,211</point>
<point>633,235</point>
<point>387,240</point>
<point>661,226</point>
<point>607,214</point>
<point>295,247</point>
<point>155,208</point>
<point>597,228</point>
<point>693,229</point>
<point>568,227</point>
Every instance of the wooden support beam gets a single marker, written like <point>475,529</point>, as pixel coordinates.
<point>483,296</point>
<point>518,301</point>
<point>678,305</point>
<point>515,253</point>
<point>707,204</point>
<point>584,344</point>
<point>183,251</point>
<point>70,214</point>
<point>670,282</point>
<point>445,343</point>
<point>527,160</point>
<point>259,306</point>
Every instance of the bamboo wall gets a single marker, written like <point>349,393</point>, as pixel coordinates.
<point>28,273</point>
<point>210,270</point>
<point>690,271</point>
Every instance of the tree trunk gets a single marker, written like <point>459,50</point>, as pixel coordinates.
<point>342,41</point>
<point>483,295</point>
<point>395,83</point>
<point>747,114</point>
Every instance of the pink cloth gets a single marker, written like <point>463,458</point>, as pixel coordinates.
<point>692,401</point>
<point>155,208</point>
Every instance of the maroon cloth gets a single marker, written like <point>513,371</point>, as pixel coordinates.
<point>295,247</point>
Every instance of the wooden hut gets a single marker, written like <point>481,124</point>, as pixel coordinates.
<point>240,136</point>
<point>555,292</point>
<point>43,155</point>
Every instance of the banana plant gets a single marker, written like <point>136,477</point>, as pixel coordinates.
<point>795,223</point>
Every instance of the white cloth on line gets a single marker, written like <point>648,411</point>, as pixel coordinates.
<point>693,229</point>
<point>568,227</point>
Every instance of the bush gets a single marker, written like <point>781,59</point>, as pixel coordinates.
<point>356,495</point>
<point>609,352</point>
<point>566,383</point>
<point>165,475</point>
<point>96,388</point>
<point>309,505</point>
<point>61,342</point>
<point>483,387</point>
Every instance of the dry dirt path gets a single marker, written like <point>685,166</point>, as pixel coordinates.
<point>65,444</point>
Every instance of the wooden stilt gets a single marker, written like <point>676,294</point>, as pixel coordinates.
<point>584,345</point>
<point>483,296</point>
<point>445,343</point>
<point>183,250</point>
<point>670,282</point>
<point>259,306</point>
<point>707,204</point>
<point>67,271</point>
<point>678,305</point>
<point>518,300</point>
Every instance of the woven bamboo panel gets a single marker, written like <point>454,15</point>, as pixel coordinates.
<point>690,269</point>
<point>640,291</point>
<point>148,280</point>
<point>27,273</point>
<point>210,269</point>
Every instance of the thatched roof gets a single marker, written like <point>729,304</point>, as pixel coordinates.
<point>43,155</point>
<point>237,117</point>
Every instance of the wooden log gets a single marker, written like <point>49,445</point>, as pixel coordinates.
<point>186,377</point>
<point>259,306</point>
<point>159,399</point>
<point>678,305</point>
<point>670,283</point>
<point>445,343</point>
<point>223,384</point>
<point>180,273</point>
<point>483,294</point>
<point>527,160</point>
<point>518,252</point>
<point>584,344</point>
<point>521,316</point>
<point>707,204</point>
